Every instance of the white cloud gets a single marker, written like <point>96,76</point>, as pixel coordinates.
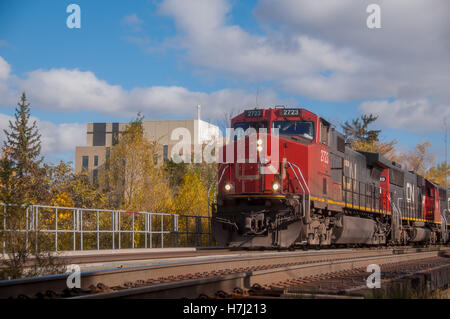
<point>411,115</point>
<point>3,125</point>
<point>70,90</point>
<point>6,82</point>
<point>5,69</point>
<point>323,49</point>
<point>409,54</point>
<point>75,90</point>
<point>55,138</point>
<point>133,21</point>
<point>213,44</point>
<point>60,138</point>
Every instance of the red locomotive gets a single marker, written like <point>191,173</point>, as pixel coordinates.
<point>288,178</point>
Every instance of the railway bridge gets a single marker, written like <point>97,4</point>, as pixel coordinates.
<point>129,254</point>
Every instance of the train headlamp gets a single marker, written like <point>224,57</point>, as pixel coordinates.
<point>228,187</point>
<point>276,187</point>
<point>260,145</point>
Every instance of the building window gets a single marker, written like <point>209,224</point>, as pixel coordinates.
<point>115,134</point>
<point>95,175</point>
<point>108,155</point>
<point>166,153</point>
<point>95,160</point>
<point>155,159</point>
<point>99,138</point>
<point>85,164</point>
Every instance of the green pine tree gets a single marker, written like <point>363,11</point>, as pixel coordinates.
<point>23,140</point>
<point>358,131</point>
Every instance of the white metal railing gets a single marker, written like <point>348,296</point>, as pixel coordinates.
<point>81,223</point>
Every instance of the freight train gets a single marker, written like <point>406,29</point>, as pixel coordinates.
<point>288,178</point>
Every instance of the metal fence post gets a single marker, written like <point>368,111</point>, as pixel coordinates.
<point>4,229</point>
<point>113,228</point>
<point>162,231</point>
<point>209,231</point>
<point>132,231</point>
<point>98,229</point>
<point>118,227</point>
<point>74,227</point>
<point>56,229</point>
<point>36,228</point>
<point>175,229</point>
<point>198,229</point>
<point>81,229</point>
<point>187,230</point>
<point>150,230</point>
<point>145,228</point>
<point>27,213</point>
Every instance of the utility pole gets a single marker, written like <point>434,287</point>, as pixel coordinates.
<point>257,96</point>
<point>446,160</point>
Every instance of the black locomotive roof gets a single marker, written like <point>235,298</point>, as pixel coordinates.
<point>378,159</point>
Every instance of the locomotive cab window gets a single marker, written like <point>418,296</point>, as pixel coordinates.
<point>295,128</point>
<point>246,125</point>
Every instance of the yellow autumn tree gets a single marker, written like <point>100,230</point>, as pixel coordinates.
<point>419,159</point>
<point>67,189</point>
<point>133,181</point>
<point>192,198</point>
<point>131,176</point>
<point>387,149</point>
<point>63,199</point>
<point>439,173</point>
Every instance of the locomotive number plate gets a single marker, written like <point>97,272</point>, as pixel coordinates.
<point>290,112</point>
<point>253,113</point>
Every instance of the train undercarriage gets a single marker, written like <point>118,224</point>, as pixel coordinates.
<point>285,222</point>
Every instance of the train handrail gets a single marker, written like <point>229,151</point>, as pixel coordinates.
<point>298,180</point>
<point>213,184</point>
<point>396,213</point>
<point>306,209</point>
<point>444,222</point>
<point>300,171</point>
<point>220,179</point>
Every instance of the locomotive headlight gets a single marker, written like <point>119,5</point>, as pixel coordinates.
<point>228,187</point>
<point>276,187</point>
<point>260,145</point>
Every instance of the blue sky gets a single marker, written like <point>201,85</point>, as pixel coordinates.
<point>164,57</point>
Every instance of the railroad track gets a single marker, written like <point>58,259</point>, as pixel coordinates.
<point>413,278</point>
<point>212,276</point>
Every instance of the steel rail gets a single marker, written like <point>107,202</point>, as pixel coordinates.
<point>271,263</point>
<point>247,279</point>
